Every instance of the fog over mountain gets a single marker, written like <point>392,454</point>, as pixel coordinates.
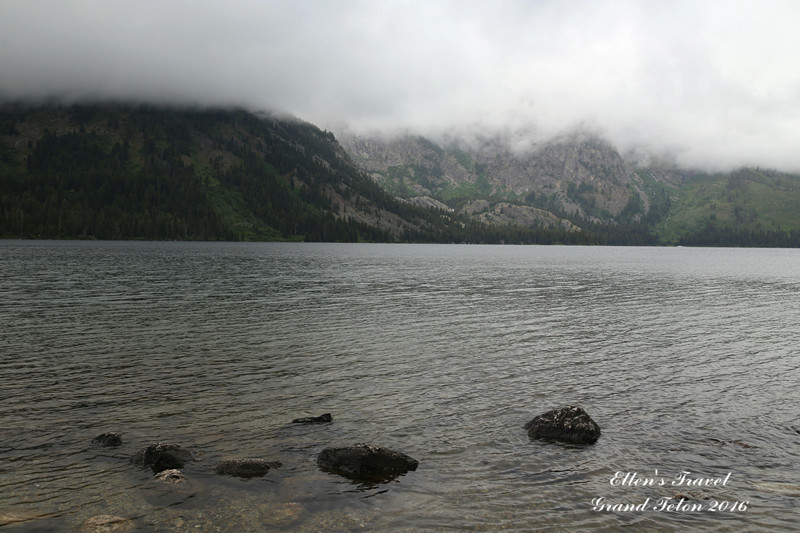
<point>714,84</point>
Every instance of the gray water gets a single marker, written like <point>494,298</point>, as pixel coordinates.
<point>687,358</point>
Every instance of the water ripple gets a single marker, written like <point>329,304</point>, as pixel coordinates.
<point>685,357</point>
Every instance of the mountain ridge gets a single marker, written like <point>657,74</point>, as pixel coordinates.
<point>583,179</point>
<point>131,171</point>
<point>138,171</point>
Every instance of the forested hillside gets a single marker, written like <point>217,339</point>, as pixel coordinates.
<point>143,172</point>
<point>116,172</point>
<point>749,207</point>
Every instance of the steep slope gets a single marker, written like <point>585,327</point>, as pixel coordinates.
<point>115,171</point>
<point>743,208</point>
<point>140,172</point>
<point>580,176</point>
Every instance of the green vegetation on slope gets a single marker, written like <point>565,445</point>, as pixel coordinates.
<point>123,172</point>
<point>749,207</point>
<point>141,172</point>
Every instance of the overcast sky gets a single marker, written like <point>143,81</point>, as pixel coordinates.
<point>711,82</point>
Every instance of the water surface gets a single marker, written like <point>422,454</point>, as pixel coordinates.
<point>687,358</point>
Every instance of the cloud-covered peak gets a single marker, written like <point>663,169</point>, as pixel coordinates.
<point>713,83</point>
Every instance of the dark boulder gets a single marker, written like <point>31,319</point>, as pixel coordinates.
<point>162,456</point>
<point>245,467</point>
<point>569,424</point>
<point>321,419</point>
<point>108,439</point>
<point>365,462</point>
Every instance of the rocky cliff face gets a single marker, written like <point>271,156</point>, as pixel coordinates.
<point>585,174</point>
<point>524,215</point>
<point>580,176</point>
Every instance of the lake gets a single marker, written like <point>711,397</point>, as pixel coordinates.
<point>687,358</point>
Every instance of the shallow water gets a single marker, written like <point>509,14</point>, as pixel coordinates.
<point>687,358</point>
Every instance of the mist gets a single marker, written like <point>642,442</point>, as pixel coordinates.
<point>710,84</point>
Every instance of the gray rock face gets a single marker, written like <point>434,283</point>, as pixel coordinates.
<point>429,203</point>
<point>321,419</point>
<point>162,456</point>
<point>108,439</point>
<point>365,462</point>
<point>245,467</point>
<point>577,170</point>
<point>506,213</point>
<point>569,424</point>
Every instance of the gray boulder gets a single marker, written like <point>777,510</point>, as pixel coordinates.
<point>245,467</point>
<point>162,456</point>
<point>321,419</point>
<point>569,424</point>
<point>365,462</point>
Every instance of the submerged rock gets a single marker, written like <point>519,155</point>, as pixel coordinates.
<point>245,467</point>
<point>17,517</point>
<point>105,523</point>
<point>282,515</point>
<point>365,462</point>
<point>162,456</point>
<point>784,489</point>
<point>108,439</point>
<point>569,424</point>
<point>172,475</point>
<point>321,419</point>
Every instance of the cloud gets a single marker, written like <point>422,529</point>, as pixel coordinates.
<point>714,83</point>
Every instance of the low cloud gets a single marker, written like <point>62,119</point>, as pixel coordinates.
<point>712,83</point>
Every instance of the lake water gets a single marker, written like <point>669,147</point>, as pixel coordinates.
<point>688,359</point>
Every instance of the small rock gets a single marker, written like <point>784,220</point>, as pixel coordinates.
<point>282,515</point>
<point>107,524</point>
<point>736,442</point>
<point>785,489</point>
<point>321,419</point>
<point>690,496</point>
<point>16,517</point>
<point>245,467</point>
<point>108,439</point>
<point>569,424</point>
<point>172,475</point>
<point>365,462</point>
<point>162,456</point>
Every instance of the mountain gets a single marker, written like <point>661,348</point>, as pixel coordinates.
<point>580,181</point>
<point>584,175</point>
<point>124,171</point>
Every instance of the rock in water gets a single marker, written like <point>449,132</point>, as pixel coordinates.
<point>105,523</point>
<point>108,439</point>
<point>321,419</point>
<point>365,462</point>
<point>568,424</point>
<point>162,456</point>
<point>172,475</point>
<point>245,467</point>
